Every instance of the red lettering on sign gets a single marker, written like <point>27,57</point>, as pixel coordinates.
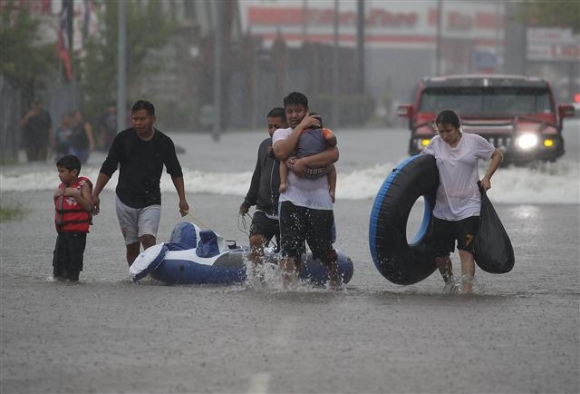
<point>459,21</point>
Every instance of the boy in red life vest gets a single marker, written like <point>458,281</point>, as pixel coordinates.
<point>73,204</point>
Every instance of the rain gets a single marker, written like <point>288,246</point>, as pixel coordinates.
<point>213,70</point>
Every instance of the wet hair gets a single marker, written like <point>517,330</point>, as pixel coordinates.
<point>277,112</point>
<point>296,98</point>
<point>317,115</point>
<point>448,116</point>
<point>70,162</point>
<point>143,104</point>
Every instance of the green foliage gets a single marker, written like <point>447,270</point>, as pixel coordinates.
<point>10,212</point>
<point>552,13</point>
<point>22,61</point>
<point>147,28</point>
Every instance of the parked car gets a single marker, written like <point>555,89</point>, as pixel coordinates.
<point>568,90</point>
<point>517,114</point>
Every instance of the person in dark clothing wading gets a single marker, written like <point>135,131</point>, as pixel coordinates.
<point>263,192</point>
<point>140,152</point>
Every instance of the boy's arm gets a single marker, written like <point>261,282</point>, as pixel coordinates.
<point>332,179</point>
<point>283,172</point>
<point>84,197</point>
<point>329,136</point>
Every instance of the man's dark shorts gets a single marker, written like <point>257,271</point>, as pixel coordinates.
<point>445,233</point>
<point>299,224</point>
<point>67,261</point>
<point>263,225</point>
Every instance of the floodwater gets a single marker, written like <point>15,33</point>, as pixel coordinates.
<point>518,333</point>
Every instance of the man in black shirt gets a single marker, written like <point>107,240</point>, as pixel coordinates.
<point>140,152</point>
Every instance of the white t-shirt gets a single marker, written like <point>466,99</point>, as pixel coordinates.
<point>458,196</point>
<point>303,192</point>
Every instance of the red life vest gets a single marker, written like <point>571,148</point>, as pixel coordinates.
<point>69,216</point>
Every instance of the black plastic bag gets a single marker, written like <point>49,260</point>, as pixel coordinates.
<point>493,251</point>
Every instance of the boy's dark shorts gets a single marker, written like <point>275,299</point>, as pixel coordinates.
<point>263,225</point>
<point>300,224</point>
<point>67,262</point>
<point>445,233</point>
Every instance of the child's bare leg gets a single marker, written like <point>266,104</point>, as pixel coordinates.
<point>283,177</point>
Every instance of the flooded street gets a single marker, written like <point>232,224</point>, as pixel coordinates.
<point>518,333</point>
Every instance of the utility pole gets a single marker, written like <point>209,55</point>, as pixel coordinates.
<point>335,70</point>
<point>438,40</point>
<point>304,20</point>
<point>122,68</point>
<point>217,85</point>
<point>360,45</point>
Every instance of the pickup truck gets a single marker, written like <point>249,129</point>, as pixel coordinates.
<point>517,114</point>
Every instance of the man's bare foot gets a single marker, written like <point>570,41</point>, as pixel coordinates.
<point>334,279</point>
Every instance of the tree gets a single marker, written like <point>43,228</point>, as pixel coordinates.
<point>23,62</point>
<point>552,13</point>
<point>148,27</point>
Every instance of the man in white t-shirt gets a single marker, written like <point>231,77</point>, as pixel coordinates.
<point>306,204</point>
<point>458,202</point>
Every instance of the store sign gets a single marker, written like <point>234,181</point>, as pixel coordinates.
<point>551,44</point>
<point>325,17</point>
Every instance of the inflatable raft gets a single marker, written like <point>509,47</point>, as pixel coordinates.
<point>194,256</point>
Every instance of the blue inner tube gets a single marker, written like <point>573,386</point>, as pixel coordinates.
<point>396,259</point>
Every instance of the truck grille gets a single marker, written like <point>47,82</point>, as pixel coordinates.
<point>499,142</point>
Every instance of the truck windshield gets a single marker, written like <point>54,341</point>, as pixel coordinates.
<point>490,101</point>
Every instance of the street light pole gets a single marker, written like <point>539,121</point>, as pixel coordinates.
<point>217,85</point>
<point>122,68</point>
<point>335,70</point>
<point>438,40</point>
<point>360,43</point>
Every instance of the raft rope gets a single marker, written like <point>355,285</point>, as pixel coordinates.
<point>197,221</point>
<point>243,227</point>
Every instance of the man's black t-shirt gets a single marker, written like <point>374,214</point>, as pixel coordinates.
<point>140,166</point>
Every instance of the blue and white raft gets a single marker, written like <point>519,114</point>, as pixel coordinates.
<point>195,256</point>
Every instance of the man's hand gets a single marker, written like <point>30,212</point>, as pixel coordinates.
<point>97,204</point>
<point>243,209</point>
<point>309,122</point>
<point>297,166</point>
<point>183,207</point>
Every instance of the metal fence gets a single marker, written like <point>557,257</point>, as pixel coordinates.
<point>10,109</point>
<point>58,99</point>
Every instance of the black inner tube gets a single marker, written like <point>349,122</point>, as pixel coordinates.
<point>397,260</point>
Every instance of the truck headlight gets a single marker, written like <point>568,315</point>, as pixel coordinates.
<point>422,142</point>
<point>527,141</point>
